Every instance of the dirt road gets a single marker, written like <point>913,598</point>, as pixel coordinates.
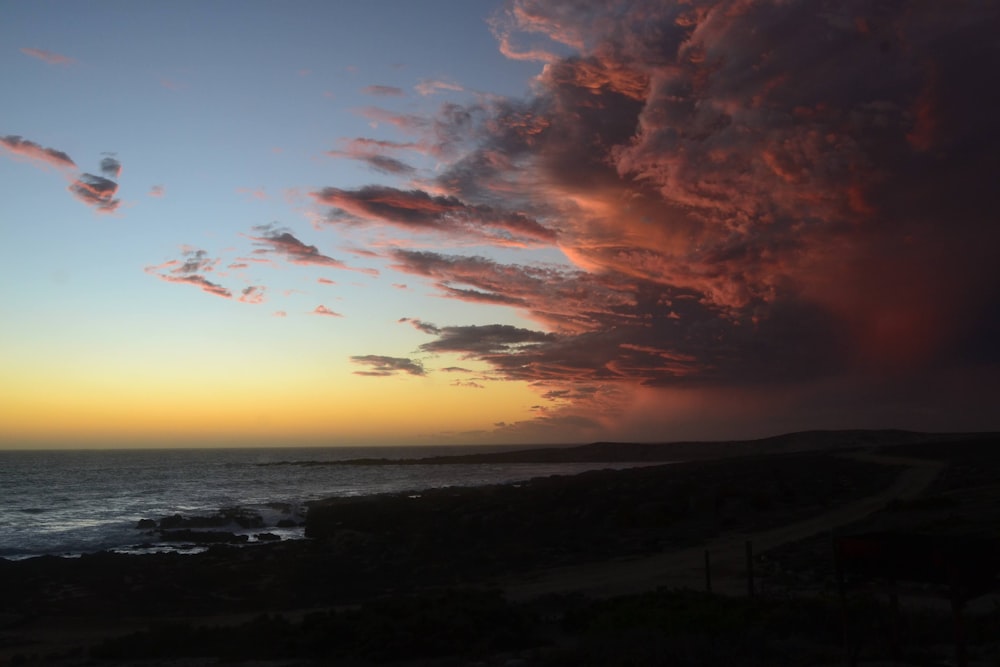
<point>685,568</point>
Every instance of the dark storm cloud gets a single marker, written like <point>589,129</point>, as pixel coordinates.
<point>769,194</point>
<point>34,151</point>
<point>385,366</point>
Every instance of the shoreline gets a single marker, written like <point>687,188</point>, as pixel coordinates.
<point>596,534</point>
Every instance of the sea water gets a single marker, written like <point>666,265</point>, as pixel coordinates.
<point>69,502</point>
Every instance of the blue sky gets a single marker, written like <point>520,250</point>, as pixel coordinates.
<point>392,222</point>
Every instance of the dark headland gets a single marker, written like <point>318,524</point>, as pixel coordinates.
<point>605,567</point>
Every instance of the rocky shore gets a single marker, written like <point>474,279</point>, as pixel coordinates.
<point>403,562</point>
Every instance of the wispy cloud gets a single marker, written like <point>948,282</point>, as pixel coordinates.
<point>405,122</point>
<point>418,210</point>
<point>373,153</point>
<point>380,366</point>
<point>420,325</point>
<point>433,87</point>
<point>384,91</point>
<point>48,56</point>
<point>271,240</point>
<point>323,310</point>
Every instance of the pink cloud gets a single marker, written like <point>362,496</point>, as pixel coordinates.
<point>405,122</point>
<point>191,271</point>
<point>36,152</point>
<point>432,87</point>
<point>256,193</point>
<point>96,191</point>
<point>253,294</point>
<point>323,310</point>
<point>48,56</point>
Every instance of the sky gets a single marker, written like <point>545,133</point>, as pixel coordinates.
<point>315,223</point>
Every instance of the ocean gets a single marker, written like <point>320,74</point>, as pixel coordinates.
<point>70,502</point>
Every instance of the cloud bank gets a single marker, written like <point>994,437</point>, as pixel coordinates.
<point>790,200</point>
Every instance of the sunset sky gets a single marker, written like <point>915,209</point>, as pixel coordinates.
<point>543,221</point>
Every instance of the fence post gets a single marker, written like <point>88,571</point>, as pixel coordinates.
<point>708,571</point>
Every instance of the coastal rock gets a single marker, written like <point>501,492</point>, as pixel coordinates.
<point>202,536</point>
<point>145,524</point>
<point>239,516</point>
<point>267,537</point>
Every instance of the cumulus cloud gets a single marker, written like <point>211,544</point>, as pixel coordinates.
<point>111,167</point>
<point>381,366</point>
<point>191,270</point>
<point>752,194</point>
<point>48,56</point>
<point>36,152</point>
<point>96,191</point>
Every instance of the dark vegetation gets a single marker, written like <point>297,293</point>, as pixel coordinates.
<point>681,628</point>
<point>464,534</point>
<point>962,504</point>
